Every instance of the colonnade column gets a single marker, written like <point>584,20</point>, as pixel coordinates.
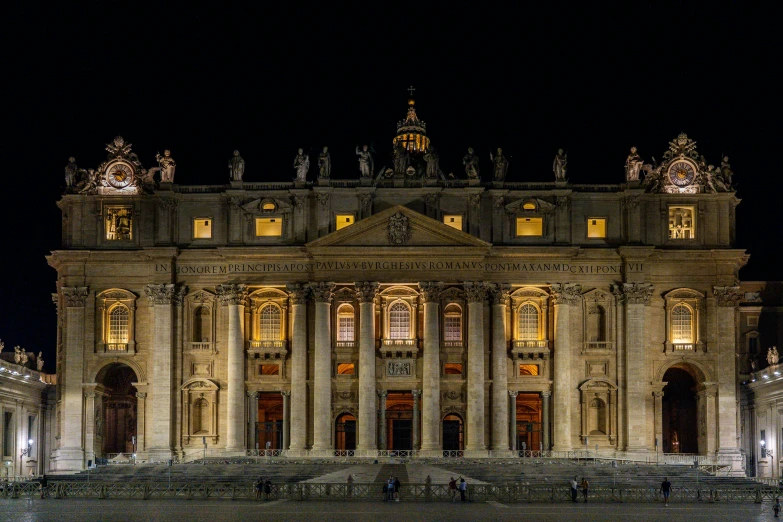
<point>416,394</point>
<point>382,419</point>
<point>286,418</point>
<point>564,296</point>
<point>430,382</point>
<point>637,298</point>
<point>161,436</point>
<point>513,419</point>
<point>298,411</point>
<point>252,420</point>
<point>500,431</point>
<point>322,378</point>
<point>476,293</point>
<point>546,443</point>
<point>233,297</point>
<point>70,455</point>
<point>365,293</point>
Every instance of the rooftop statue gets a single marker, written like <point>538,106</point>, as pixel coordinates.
<point>236,167</point>
<point>39,361</point>
<point>324,164</point>
<point>501,165</point>
<point>471,162</point>
<point>433,167</point>
<point>402,159</point>
<point>167,166</point>
<point>301,165</point>
<point>560,165</point>
<point>366,164</point>
<point>725,174</point>
<point>772,356</point>
<point>17,354</point>
<point>2,345</point>
<point>633,165</point>
<point>71,173</point>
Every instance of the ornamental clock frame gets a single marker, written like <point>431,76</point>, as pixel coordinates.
<point>682,173</point>
<point>120,174</point>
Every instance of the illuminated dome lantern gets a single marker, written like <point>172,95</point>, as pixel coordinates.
<point>412,132</point>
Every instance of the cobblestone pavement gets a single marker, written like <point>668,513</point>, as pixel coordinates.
<point>25,510</point>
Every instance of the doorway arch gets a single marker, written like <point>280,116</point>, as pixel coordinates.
<point>345,432</point>
<point>453,433</point>
<point>115,409</point>
<point>680,410</point>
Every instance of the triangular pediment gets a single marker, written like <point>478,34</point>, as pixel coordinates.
<point>398,226</point>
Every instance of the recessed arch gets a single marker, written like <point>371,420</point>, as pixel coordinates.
<point>99,373</point>
<point>698,371</point>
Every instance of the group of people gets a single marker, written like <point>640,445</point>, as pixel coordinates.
<point>391,489</point>
<point>263,485</point>
<point>460,486</point>
<point>576,486</point>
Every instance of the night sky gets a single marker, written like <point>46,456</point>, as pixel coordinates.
<point>203,81</point>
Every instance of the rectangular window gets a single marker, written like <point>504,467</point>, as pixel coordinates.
<point>268,369</point>
<point>269,227</point>
<point>454,221</point>
<point>596,228</point>
<point>533,226</point>
<point>343,220</point>
<point>528,369</point>
<point>202,228</point>
<point>753,320</point>
<point>452,368</point>
<point>346,369</point>
<point>119,224</point>
<point>345,331</point>
<point>682,222</point>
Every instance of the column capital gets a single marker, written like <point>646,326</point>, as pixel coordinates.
<point>160,294</point>
<point>657,394</point>
<point>382,394</point>
<point>501,294</point>
<point>546,394</point>
<point>285,393</point>
<point>75,296</point>
<point>322,292</point>
<point>252,394</point>
<point>366,291</point>
<point>141,395</point>
<point>476,291</point>
<point>728,296</point>
<point>634,293</point>
<point>230,294</point>
<point>416,393</point>
<point>566,293</point>
<point>430,290</point>
<point>513,393</point>
<point>297,292</point>
<point>179,294</point>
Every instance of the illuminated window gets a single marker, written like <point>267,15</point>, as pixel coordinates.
<point>118,325</point>
<point>344,220</point>
<point>530,226</point>
<point>269,369</point>
<point>682,222</point>
<point>269,323</point>
<point>529,205</point>
<point>682,324</point>
<point>269,227</point>
<point>345,323</point>
<point>268,206</point>
<point>453,221</point>
<point>119,224</point>
<point>452,368</point>
<point>528,369</point>
<point>399,321</point>
<point>528,323</point>
<point>346,369</point>
<point>452,323</point>
<point>596,228</point>
<point>202,228</point>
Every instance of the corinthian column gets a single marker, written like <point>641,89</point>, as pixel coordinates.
<point>564,295</point>
<point>298,412</point>
<point>70,455</point>
<point>366,292</point>
<point>728,298</point>
<point>637,298</point>
<point>161,435</point>
<point>430,382</point>
<point>322,379</point>
<point>500,297</point>
<point>476,294</point>
<point>233,297</point>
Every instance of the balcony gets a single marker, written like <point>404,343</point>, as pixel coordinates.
<point>597,346</point>
<point>345,344</point>
<point>399,348</point>
<point>530,349</point>
<point>202,347</point>
<point>116,349</point>
<point>452,344</point>
<point>268,347</point>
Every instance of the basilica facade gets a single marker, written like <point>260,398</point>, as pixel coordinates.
<point>398,311</point>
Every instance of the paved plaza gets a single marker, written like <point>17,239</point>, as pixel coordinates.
<point>26,510</point>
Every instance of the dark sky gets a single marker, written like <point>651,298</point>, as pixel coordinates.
<point>203,81</point>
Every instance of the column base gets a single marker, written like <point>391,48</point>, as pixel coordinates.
<point>159,454</point>
<point>65,459</point>
<point>504,453</point>
<point>475,453</point>
<point>431,452</point>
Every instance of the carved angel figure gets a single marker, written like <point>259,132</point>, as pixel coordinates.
<point>324,164</point>
<point>236,167</point>
<point>501,165</point>
<point>23,357</point>
<point>560,165</point>
<point>633,165</point>
<point>71,172</point>
<point>167,166</point>
<point>401,159</point>
<point>2,345</point>
<point>431,157</point>
<point>17,354</point>
<point>471,162</point>
<point>301,165</point>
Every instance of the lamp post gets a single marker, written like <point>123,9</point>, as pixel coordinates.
<point>25,453</point>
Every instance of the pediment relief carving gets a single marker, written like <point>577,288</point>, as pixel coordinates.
<point>399,291</point>
<point>598,385</point>
<point>256,206</point>
<point>598,296</point>
<point>201,296</point>
<point>529,292</point>
<point>116,293</point>
<point>268,293</point>
<point>540,206</point>
<point>451,293</point>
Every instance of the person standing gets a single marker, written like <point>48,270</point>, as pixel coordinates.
<point>396,489</point>
<point>776,507</point>
<point>267,488</point>
<point>666,488</point>
<point>584,486</point>
<point>45,483</point>
<point>390,488</point>
<point>463,488</point>
<point>574,489</point>
<point>453,489</point>
<point>259,485</point>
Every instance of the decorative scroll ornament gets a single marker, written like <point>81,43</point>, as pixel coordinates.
<point>160,294</point>
<point>298,293</point>
<point>431,290</point>
<point>566,293</point>
<point>74,296</point>
<point>231,294</point>
<point>179,294</point>
<point>474,200</point>
<point>476,292</point>
<point>344,396</point>
<point>168,203</point>
<point>563,202</point>
<point>501,294</point>
<point>322,292</point>
<point>637,293</point>
<point>399,231</point>
<point>366,291</point>
<point>727,295</point>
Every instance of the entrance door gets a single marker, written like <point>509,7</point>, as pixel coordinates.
<point>529,436</point>
<point>345,432</point>
<point>402,434</point>
<point>269,429</point>
<point>270,435</point>
<point>679,413</point>
<point>452,433</point>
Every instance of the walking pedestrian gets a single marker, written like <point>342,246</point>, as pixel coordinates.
<point>776,507</point>
<point>390,488</point>
<point>574,489</point>
<point>666,488</point>
<point>44,484</point>
<point>463,489</point>
<point>453,489</point>
<point>584,486</point>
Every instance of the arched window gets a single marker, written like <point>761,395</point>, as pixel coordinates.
<point>399,321</point>
<point>345,323</point>
<point>452,323</point>
<point>682,324</point>
<point>528,323</point>
<point>202,325</point>
<point>201,416</point>
<point>118,325</point>
<point>269,323</point>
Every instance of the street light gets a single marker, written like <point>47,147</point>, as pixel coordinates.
<point>25,453</point>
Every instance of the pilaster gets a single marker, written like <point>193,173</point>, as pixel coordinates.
<point>500,420</point>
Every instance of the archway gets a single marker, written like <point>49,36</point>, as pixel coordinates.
<point>115,416</point>
<point>345,432</point>
<point>679,411</point>
<point>452,433</point>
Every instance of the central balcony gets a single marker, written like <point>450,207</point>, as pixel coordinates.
<point>267,347</point>
<point>399,348</point>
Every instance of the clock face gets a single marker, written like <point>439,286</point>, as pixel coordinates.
<point>119,175</point>
<point>681,173</point>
